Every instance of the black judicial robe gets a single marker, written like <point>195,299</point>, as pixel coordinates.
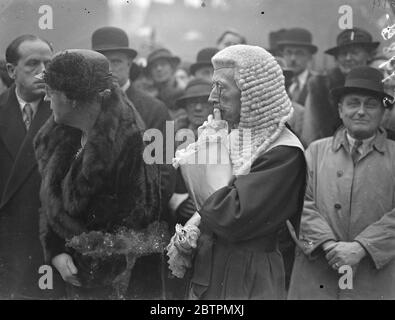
<point>237,255</point>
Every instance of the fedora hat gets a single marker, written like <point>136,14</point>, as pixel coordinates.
<point>162,53</point>
<point>351,37</point>
<point>203,59</point>
<point>365,79</point>
<point>195,88</point>
<point>112,39</point>
<point>297,37</point>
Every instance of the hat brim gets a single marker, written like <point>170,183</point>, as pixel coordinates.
<point>195,66</point>
<point>338,92</point>
<point>130,52</point>
<point>173,60</point>
<point>313,49</point>
<point>180,102</point>
<point>371,45</point>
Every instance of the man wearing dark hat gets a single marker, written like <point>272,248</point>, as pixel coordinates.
<point>203,68</point>
<point>354,47</point>
<point>161,66</point>
<point>114,44</point>
<point>297,49</point>
<point>346,246</point>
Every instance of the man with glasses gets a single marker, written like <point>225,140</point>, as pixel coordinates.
<point>346,245</point>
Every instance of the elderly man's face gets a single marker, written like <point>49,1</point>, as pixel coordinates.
<point>361,114</point>
<point>297,58</point>
<point>120,64</point>
<point>351,57</point>
<point>225,95</point>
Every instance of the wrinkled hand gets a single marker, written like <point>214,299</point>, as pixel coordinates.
<point>65,265</point>
<point>344,253</point>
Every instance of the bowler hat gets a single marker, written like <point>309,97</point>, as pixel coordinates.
<point>297,37</point>
<point>112,39</point>
<point>162,53</point>
<point>203,59</point>
<point>354,36</point>
<point>365,79</point>
<point>195,88</point>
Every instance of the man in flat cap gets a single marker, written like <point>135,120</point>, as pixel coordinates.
<point>355,47</point>
<point>348,219</point>
<point>297,49</point>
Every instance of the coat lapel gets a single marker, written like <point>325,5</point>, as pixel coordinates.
<point>12,128</point>
<point>25,160</point>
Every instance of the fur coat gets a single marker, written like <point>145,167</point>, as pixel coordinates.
<point>104,186</point>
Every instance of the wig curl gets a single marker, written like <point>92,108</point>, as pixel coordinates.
<point>265,106</point>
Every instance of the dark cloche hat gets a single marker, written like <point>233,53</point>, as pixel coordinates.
<point>112,39</point>
<point>299,37</point>
<point>351,37</point>
<point>195,88</point>
<point>365,79</point>
<point>203,59</point>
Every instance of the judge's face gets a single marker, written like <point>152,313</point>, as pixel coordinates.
<point>61,106</point>
<point>225,95</point>
<point>361,114</point>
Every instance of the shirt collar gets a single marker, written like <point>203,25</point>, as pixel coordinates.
<point>22,103</point>
<point>126,86</point>
<point>340,139</point>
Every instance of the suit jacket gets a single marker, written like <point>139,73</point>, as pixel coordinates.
<point>152,110</point>
<point>21,253</point>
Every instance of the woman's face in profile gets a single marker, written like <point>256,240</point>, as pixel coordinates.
<point>61,106</point>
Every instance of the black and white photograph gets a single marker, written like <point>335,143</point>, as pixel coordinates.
<point>197,150</point>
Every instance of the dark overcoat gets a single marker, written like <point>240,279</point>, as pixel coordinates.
<point>21,254</point>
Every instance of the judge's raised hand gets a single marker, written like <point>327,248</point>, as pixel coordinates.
<point>64,264</point>
<point>344,253</point>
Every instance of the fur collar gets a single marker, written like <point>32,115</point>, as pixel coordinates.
<point>110,163</point>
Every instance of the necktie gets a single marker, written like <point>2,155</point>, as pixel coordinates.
<point>27,115</point>
<point>296,89</point>
<point>355,152</point>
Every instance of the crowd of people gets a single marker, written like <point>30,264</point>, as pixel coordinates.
<point>311,188</point>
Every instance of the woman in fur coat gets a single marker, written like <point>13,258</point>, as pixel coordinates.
<point>93,175</point>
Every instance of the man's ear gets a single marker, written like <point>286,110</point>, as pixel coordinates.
<point>11,70</point>
<point>339,109</point>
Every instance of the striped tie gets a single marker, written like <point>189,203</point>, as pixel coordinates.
<point>27,115</point>
<point>355,152</point>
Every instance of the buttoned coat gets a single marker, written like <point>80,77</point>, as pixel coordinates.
<point>347,203</point>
